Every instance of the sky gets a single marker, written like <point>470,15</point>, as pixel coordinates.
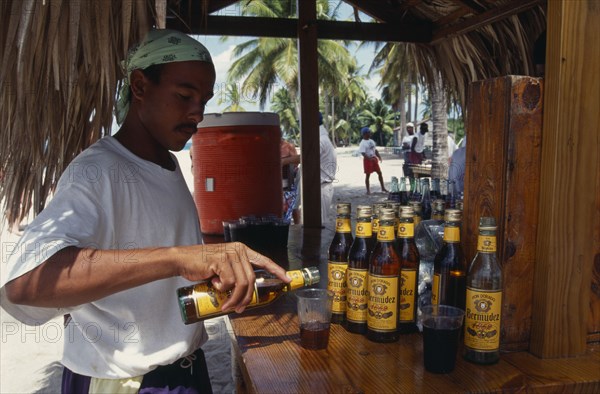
<point>221,54</point>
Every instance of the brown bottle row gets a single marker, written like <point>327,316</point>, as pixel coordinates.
<point>375,282</point>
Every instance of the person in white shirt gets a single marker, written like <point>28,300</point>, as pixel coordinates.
<point>420,145</point>
<point>328,158</point>
<point>371,159</point>
<point>121,234</point>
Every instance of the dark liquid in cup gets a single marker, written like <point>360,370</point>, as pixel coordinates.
<point>439,349</point>
<point>314,335</point>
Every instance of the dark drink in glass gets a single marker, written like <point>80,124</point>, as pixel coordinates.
<point>439,349</point>
<point>314,335</point>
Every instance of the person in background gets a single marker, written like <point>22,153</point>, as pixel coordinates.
<point>290,160</point>
<point>371,158</point>
<point>420,145</point>
<point>408,147</point>
<point>328,169</point>
<point>456,169</point>
<point>115,247</point>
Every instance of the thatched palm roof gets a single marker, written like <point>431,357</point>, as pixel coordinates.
<point>60,63</point>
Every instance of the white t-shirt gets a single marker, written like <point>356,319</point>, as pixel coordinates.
<point>420,146</point>
<point>108,198</point>
<point>368,147</point>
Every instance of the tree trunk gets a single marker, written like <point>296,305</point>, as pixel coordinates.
<point>402,106</point>
<point>409,95</point>
<point>439,115</point>
<point>416,101</point>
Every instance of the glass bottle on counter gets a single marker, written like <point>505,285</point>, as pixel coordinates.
<point>450,265</point>
<point>409,273</point>
<point>356,275</point>
<point>338,262</point>
<point>435,189</point>
<point>425,199</point>
<point>202,301</point>
<point>394,194</point>
<point>383,282</point>
<point>438,209</point>
<point>416,207</point>
<point>403,192</point>
<point>375,221</point>
<point>484,299</point>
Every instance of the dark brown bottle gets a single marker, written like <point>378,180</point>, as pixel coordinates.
<point>202,301</point>
<point>338,262</point>
<point>356,276</point>
<point>450,265</point>
<point>409,273</point>
<point>383,282</point>
<point>484,299</point>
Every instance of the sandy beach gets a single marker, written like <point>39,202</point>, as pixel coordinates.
<point>30,356</point>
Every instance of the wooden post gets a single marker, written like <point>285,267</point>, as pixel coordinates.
<point>504,122</point>
<point>309,108</point>
<point>568,243</point>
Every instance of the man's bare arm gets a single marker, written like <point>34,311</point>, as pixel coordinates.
<point>75,276</point>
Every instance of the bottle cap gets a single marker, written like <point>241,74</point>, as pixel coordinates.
<point>387,214</point>
<point>453,215</point>
<point>406,212</point>
<point>364,211</point>
<point>416,206</point>
<point>487,223</point>
<point>344,208</point>
<point>312,277</point>
<point>438,205</point>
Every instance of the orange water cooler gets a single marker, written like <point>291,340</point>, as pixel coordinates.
<point>237,168</point>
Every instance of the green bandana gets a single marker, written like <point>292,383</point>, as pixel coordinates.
<point>158,47</point>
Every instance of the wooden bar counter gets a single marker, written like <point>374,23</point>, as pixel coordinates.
<point>267,351</point>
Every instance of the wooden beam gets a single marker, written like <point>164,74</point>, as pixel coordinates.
<point>473,6</point>
<point>491,16</point>
<point>332,30</point>
<point>383,12</point>
<point>309,108</point>
<point>569,213</point>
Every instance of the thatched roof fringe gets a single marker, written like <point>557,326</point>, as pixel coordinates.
<point>66,53</point>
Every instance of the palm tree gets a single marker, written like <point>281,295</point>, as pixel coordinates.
<point>380,119</point>
<point>285,106</point>
<point>232,97</point>
<point>265,63</point>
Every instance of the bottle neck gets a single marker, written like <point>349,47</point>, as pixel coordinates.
<point>364,228</point>
<point>486,242</point>
<point>386,231</point>
<point>342,224</point>
<point>406,229</point>
<point>452,233</point>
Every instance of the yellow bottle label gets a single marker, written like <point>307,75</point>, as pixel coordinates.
<point>336,282</point>
<point>435,290</point>
<point>297,279</point>
<point>482,319</point>
<point>438,216</point>
<point>375,226</point>
<point>406,230</point>
<point>386,233</point>
<point>357,295</point>
<point>342,225</point>
<point>486,243</point>
<point>364,229</point>
<point>383,303</point>
<point>209,301</point>
<point>451,234</point>
<point>408,295</point>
